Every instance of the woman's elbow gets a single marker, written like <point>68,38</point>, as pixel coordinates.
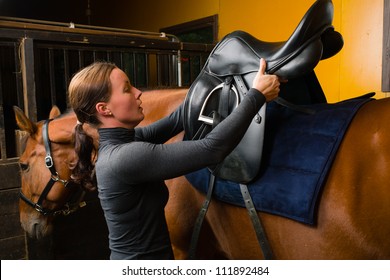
<point>218,156</point>
<point>216,150</point>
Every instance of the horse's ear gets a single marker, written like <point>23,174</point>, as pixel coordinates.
<point>54,112</point>
<point>24,122</point>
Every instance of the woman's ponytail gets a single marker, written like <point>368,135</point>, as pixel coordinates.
<point>83,172</point>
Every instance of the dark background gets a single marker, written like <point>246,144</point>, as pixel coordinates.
<point>50,10</point>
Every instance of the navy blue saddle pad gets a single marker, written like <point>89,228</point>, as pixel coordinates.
<point>298,152</point>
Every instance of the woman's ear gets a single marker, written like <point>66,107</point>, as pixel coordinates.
<point>101,108</point>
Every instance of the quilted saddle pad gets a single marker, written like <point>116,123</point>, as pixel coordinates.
<point>298,152</point>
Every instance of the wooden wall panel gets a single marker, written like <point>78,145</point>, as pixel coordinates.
<point>11,233</point>
<point>9,174</point>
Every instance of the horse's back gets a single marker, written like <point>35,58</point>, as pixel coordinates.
<point>354,211</point>
<point>357,193</point>
<point>353,220</point>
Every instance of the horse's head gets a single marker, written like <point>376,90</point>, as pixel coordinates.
<point>46,165</point>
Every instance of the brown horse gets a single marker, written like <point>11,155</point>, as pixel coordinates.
<point>353,219</point>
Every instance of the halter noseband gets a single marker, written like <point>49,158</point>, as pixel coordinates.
<point>68,208</point>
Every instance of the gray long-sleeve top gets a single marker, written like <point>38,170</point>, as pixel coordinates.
<point>133,164</point>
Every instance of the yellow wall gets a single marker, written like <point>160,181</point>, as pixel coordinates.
<point>361,60</point>
<point>354,71</point>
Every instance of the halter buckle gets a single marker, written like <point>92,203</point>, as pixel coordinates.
<point>49,161</point>
<point>39,208</point>
<point>56,178</point>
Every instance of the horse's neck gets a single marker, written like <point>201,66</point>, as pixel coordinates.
<point>68,122</point>
<point>160,103</point>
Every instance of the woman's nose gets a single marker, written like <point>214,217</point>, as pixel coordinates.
<point>139,93</point>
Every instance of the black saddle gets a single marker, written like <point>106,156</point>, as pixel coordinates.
<point>229,72</point>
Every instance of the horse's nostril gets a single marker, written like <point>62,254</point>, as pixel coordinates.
<point>36,227</point>
<point>36,231</point>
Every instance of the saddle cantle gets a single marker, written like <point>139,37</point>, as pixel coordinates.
<point>314,39</point>
<point>230,70</point>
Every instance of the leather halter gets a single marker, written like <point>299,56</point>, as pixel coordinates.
<point>55,177</point>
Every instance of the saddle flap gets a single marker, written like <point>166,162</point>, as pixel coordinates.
<point>243,164</point>
<point>203,112</point>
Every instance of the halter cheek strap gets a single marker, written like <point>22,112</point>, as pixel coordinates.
<point>49,160</point>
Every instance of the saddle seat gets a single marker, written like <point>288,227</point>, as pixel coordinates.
<point>313,39</point>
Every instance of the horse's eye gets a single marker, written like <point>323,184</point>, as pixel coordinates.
<point>24,166</point>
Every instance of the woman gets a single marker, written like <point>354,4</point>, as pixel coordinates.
<point>133,162</point>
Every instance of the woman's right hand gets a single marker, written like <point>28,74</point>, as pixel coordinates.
<point>267,84</point>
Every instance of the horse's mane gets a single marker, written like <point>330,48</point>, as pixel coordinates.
<point>67,113</point>
<point>161,88</point>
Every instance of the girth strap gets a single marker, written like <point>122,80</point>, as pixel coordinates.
<point>260,233</point>
<point>199,220</point>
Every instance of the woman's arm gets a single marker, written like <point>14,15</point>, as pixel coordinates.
<point>142,161</point>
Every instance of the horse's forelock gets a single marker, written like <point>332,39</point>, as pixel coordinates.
<point>23,141</point>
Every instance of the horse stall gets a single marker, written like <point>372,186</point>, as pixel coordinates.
<point>37,61</point>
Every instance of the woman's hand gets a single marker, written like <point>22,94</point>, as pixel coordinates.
<point>268,85</point>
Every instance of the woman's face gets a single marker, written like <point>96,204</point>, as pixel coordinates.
<point>125,102</point>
